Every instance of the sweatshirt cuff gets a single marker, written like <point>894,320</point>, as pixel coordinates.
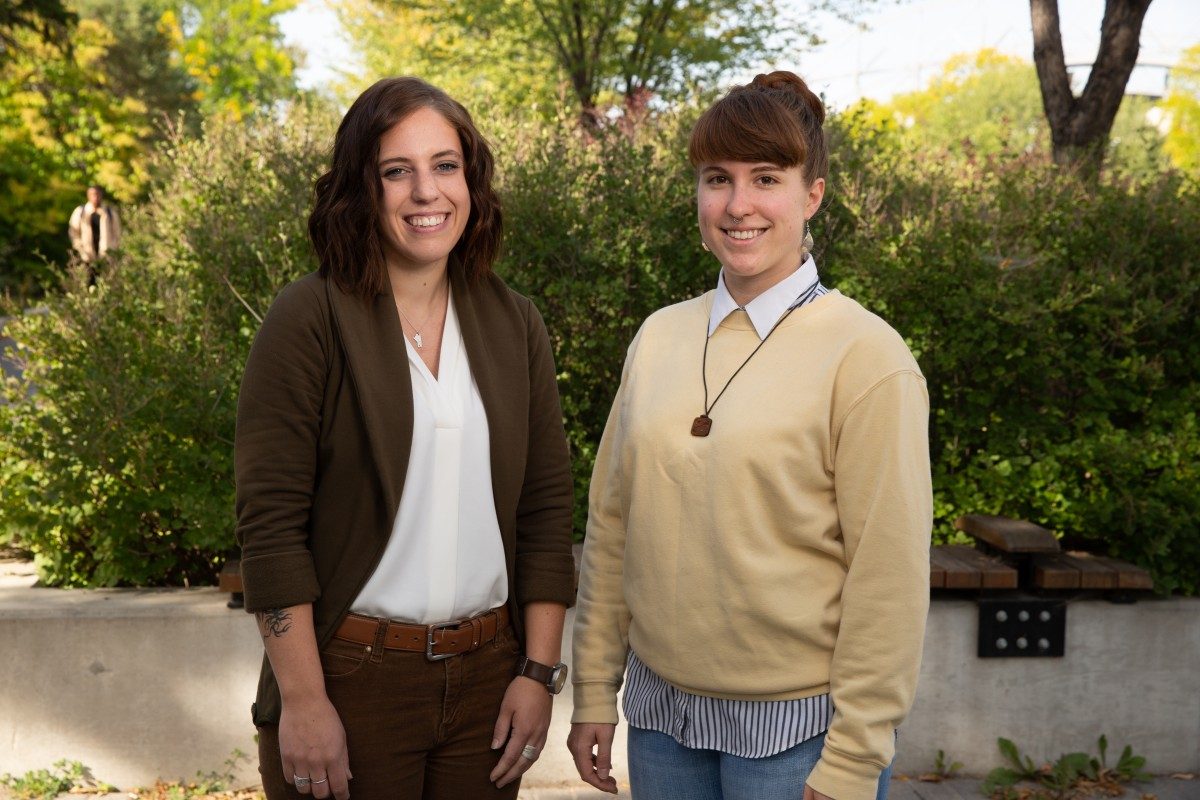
<point>595,702</point>
<point>843,778</point>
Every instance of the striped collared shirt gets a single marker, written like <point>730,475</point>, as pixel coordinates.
<point>745,728</point>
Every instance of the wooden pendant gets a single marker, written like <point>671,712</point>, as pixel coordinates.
<point>701,425</point>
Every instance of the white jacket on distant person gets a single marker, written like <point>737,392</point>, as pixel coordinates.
<point>80,230</point>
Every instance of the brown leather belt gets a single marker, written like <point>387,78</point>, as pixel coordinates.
<point>435,641</point>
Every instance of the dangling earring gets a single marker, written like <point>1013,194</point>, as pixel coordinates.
<point>704,244</point>
<point>806,245</point>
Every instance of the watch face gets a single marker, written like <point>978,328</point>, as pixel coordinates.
<point>559,678</point>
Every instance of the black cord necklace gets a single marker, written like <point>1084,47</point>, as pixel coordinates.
<point>702,425</point>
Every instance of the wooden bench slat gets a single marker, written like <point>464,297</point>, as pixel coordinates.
<point>1093,574</point>
<point>230,578</point>
<point>1129,576</point>
<point>967,568</point>
<point>937,573</point>
<point>1008,535</point>
<point>996,574</point>
<point>1054,571</point>
<point>956,573</point>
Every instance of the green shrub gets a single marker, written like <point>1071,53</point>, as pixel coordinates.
<point>1056,322</point>
<point>117,469</point>
<point>600,232</point>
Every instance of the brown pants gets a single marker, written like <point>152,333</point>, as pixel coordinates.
<point>415,729</point>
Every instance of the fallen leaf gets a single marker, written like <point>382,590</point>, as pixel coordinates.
<point>930,777</point>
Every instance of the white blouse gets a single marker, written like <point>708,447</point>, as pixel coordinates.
<point>445,558</point>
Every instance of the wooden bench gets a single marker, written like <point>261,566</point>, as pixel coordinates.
<point>957,566</point>
<point>1036,556</point>
<point>230,580</point>
<point>1009,554</point>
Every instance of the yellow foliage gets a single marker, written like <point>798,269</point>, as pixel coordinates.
<point>1182,106</point>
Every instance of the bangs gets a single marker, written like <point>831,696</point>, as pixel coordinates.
<point>746,126</point>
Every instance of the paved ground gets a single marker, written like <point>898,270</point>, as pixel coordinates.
<point>958,789</point>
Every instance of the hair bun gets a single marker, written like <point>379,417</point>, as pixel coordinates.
<point>784,81</point>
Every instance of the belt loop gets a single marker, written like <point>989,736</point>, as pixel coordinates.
<point>476,632</point>
<point>380,640</point>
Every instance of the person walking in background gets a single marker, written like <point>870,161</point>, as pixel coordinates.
<point>756,566</point>
<point>94,229</point>
<point>403,482</point>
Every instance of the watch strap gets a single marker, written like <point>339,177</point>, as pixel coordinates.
<point>541,673</point>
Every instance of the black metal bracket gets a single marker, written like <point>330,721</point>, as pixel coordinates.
<point>1022,628</point>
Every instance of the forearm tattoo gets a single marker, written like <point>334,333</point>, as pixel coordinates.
<point>274,622</point>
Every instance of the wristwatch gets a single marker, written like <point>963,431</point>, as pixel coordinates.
<point>553,678</point>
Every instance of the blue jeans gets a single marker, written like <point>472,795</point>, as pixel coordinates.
<point>662,769</point>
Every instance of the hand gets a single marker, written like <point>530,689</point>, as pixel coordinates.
<point>812,794</point>
<point>312,744</point>
<point>524,719</point>
<point>594,767</point>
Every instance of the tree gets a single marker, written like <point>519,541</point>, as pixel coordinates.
<point>60,130</point>
<point>50,20</point>
<point>478,67</point>
<point>1183,113</point>
<point>1079,126</point>
<point>608,52</point>
<point>643,48</point>
<point>985,102</point>
<point>141,62</point>
<point>988,104</point>
<point>235,52</point>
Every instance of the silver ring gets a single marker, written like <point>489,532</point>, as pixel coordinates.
<point>323,780</point>
<point>296,779</point>
<point>529,752</point>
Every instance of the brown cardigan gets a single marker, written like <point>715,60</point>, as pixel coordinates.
<point>324,428</point>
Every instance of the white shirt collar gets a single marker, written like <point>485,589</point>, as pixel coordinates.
<point>766,309</point>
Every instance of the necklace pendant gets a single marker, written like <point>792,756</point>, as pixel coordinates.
<point>417,339</point>
<point>701,425</point>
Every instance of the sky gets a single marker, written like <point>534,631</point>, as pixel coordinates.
<point>897,48</point>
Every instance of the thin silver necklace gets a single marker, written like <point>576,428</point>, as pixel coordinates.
<point>416,337</point>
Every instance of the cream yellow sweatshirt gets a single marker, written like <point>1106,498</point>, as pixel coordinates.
<point>784,555</point>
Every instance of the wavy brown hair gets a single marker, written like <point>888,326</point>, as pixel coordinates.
<point>775,119</point>
<point>344,224</point>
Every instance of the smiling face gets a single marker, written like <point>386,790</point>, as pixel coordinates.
<point>425,203</point>
<point>752,218</point>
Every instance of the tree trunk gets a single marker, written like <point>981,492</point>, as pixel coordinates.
<point>1079,126</point>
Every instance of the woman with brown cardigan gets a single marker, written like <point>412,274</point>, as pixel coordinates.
<point>403,485</point>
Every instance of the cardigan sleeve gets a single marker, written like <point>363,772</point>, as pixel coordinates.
<point>884,499</point>
<point>275,451</point>
<point>545,568</point>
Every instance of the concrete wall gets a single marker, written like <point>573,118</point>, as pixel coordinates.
<point>140,685</point>
<point>1131,672</point>
<point>136,684</point>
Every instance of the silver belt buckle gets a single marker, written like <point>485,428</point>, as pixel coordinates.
<point>429,631</point>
